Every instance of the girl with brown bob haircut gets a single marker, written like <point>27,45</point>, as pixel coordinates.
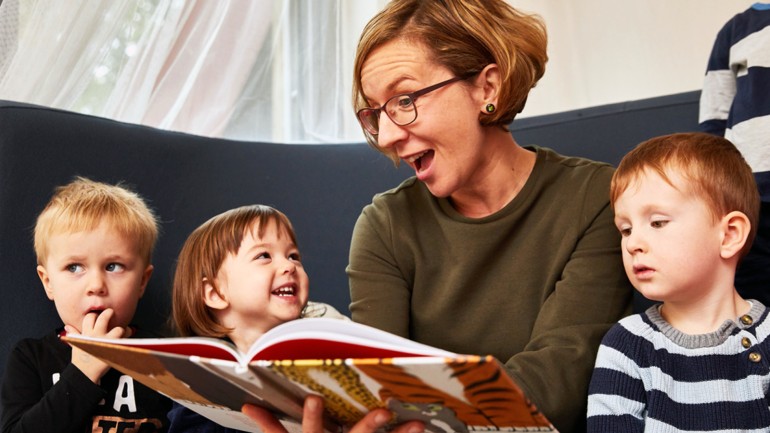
<point>239,275</point>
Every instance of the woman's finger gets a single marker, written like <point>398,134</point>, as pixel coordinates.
<point>312,419</point>
<point>266,421</point>
<point>312,415</point>
<point>378,418</point>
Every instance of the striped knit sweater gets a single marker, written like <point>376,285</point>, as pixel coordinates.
<point>650,377</point>
<point>735,101</point>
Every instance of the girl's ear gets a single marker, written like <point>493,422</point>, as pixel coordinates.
<point>213,297</point>
<point>488,81</point>
<point>735,231</point>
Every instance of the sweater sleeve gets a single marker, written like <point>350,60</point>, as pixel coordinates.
<point>719,86</point>
<point>380,293</point>
<point>591,295</point>
<point>65,407</point>
<point>616,396</point>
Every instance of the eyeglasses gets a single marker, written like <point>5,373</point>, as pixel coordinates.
<point>400,108</point>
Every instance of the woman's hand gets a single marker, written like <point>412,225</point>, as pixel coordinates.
<point>312,419</point>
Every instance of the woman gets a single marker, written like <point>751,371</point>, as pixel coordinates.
<point>491,248</point>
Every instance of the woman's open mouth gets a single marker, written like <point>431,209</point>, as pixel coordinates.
<point>421,161</point>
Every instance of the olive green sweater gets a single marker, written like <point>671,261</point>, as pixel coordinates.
<point>536,284</point>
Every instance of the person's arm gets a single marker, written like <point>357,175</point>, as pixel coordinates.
<point>719,86</point>
<point>380,295</point>
<point>312,421</point>
<point>591,295</point>
<point>64,407</point>
<point>616,397</point>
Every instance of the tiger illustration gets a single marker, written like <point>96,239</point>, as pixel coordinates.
<point>474,394</point>
<point>436,417</point>
<point>487,398</point>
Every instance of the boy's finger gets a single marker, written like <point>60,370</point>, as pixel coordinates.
<point>103,319</point>
<point>88,323</point>
<point>117,332</point>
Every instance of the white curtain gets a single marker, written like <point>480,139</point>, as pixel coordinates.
<point>281,70</point>
<point>261,70</point>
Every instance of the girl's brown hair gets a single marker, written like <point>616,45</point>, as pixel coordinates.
<point>202,256</point>
<point>463,36</point>
<point>714,168</point>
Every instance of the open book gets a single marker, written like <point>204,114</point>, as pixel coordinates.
<point>354,367</point>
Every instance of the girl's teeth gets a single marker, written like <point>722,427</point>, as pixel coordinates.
<point>284,291</point>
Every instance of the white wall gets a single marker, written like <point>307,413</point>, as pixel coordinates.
<point>607,51</point>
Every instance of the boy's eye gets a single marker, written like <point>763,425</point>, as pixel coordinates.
<point>295,257</point>
<point>624,231</point>
<point>658,224</point>
<point>262,256</point>
<point>74,268</point>
<point>115,267</point>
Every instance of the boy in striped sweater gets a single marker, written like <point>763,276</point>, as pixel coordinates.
<point>686,206</point>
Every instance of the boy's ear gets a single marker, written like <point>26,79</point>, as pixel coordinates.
<point>212,297</point>
<point>735,230</point>
<point>145,279</point>
<point>45,279</point>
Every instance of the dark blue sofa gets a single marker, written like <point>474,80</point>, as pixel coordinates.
<point>188,179</point>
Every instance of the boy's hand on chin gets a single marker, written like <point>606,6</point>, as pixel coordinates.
<point>94,325</point>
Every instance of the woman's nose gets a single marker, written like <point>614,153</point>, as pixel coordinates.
<point>389,133</point>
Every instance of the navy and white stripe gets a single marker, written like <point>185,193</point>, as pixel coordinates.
<point>649,377</point>
<point>735,101</point>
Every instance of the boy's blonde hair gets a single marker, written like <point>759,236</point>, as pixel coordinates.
<point>83,204</point>
<point>713,166</point>
<point>202,256</point>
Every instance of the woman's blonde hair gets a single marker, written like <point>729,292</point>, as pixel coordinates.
<point>463,36</point>
<point>714,168</point>
<point>202,256</point>
<point>84,204</point>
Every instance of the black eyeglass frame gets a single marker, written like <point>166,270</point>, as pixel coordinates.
<point>375,112</point>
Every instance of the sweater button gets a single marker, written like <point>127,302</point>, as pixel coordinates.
<point>755,357</point>
<point>745,342</point>
<point>747,320</point>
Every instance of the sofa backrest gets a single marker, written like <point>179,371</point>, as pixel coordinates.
<point>187,179</point>
<point>607,132</point>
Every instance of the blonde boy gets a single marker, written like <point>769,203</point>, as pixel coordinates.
<point>94,245</point>
<point>686,206</point>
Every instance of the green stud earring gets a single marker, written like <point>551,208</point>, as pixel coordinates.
<point>490,108</point>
